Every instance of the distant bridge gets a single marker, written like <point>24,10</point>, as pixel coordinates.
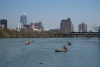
<point>79,34</point>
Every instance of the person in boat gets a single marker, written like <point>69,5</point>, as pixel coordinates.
<point>69,43</point>
<point>64,47</point>
<point>29,41</point>
<point>33,41</point>
<point>56,38</point>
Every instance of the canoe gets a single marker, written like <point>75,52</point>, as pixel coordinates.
<point>61,50</point>
<point>27,43</point>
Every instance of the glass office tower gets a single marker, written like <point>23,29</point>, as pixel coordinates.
<point>23,19</point>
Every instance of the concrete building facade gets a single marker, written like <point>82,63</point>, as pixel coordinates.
<point>66,25</point>
<point>82,27</point>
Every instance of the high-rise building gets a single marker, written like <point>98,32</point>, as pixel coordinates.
<point>40,26</point>
<point>23,19</point>
<point>66,25</point>
<point>3,22</point>
<point>82,27</point>
<point>37,26</point>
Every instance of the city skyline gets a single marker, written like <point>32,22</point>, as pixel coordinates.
<point>51,12</point>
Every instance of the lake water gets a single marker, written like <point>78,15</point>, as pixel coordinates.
<point>83,52</point>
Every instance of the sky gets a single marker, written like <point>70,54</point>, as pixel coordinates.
<point>51,12</point>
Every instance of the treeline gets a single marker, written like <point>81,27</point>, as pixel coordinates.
<point>7,33</point>
<point>97,29</point>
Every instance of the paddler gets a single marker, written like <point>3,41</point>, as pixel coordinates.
<point>64,47</point>
<point>33,41</point>
<point>29,41</point>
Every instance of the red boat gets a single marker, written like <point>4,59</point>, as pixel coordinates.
<point>27,43</point>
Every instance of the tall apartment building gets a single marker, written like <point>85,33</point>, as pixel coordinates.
<point>3,22</point>
<point>66,25</point>
<point>82,27</point>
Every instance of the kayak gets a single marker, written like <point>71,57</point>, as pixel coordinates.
<point>61,50</point>
<point>27,43</point>
<point>69,43</point>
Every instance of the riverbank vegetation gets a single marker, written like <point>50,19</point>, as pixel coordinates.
<point>97,29</point>
<point>7,33</point>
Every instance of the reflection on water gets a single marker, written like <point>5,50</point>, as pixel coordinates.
<point>82,53</point>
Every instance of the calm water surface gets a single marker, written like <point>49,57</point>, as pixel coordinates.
<point>83,52</point>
